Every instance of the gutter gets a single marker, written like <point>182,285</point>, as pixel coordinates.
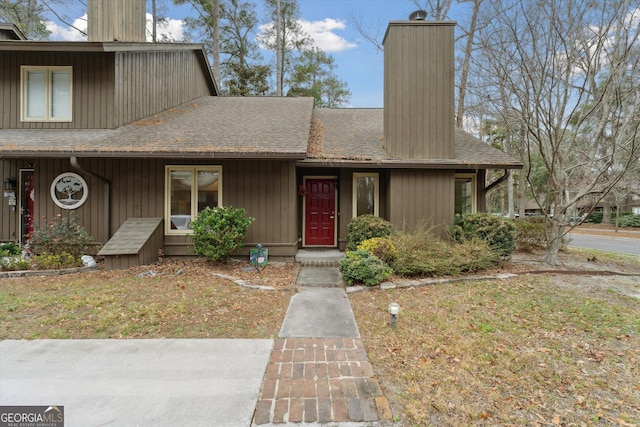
<point>107,196</point>
<point>498,181</point>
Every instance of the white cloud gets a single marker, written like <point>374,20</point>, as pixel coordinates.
<point>68,33</point>
<point>169,29</point>
<point>323,34</point>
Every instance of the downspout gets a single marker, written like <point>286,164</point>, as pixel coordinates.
<point>107,196</point>
<point>497,182</point>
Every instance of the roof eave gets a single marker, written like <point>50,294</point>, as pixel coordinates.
<point>222,155</point>
<point>403,164</point>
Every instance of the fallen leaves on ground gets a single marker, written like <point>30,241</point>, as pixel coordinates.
<point>173,299</point>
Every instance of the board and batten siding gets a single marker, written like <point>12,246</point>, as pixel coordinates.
<point>153,81</point>
<point>266,189</point>
<point>93,88</point>
<point>419,90</point>
<point>417,195</point>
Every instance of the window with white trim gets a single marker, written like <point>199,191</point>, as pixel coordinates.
<point>46,94</point>
<point>465,196</point>
<point>365,194</point>
<point>189,190</point>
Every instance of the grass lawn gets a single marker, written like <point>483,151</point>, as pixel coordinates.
<point>183,300</point>
<point>518,352</point>
<point>534,350</point>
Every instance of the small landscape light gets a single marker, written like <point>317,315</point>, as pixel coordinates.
<point>394,309</point>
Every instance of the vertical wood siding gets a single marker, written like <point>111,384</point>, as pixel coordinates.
<point>422,195</point>
<point>93,86</point>
<point>266,189</point>
<point>109,89</point>
<point>116,20</point>
<point>418,90</point>
<point>150,82</point>
<point>9,227</point>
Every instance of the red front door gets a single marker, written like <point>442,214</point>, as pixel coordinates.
<point>27,204</point>
<point>320,212</point>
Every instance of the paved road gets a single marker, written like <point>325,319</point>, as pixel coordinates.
<point>606,243</point>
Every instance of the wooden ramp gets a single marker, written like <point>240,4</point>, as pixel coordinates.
<point>136,242</point>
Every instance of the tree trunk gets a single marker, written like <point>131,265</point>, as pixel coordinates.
<point>554,242</point>
<point>606,212</point>
<point>510,200</point>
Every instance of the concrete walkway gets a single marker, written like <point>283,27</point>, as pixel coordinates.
<point>318,371</point>
<point>172,382</point>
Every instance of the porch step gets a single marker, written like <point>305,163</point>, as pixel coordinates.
<point>319,258</point>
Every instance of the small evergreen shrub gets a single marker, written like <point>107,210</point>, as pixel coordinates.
<point>629,221</point>
<point>530,233</point>
<point>382,247</point>
<point>499,233</point>
<point>60,236</point>
<point>217,232</point>
<point>596,216</point>
<point>7,249</point>
<point>54,261</point>
<point>366,227</point>
<point>362,267</point>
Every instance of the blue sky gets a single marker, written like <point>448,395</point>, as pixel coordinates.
<point>330,23</point>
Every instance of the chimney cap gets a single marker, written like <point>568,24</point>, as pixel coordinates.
<point>418,15</point>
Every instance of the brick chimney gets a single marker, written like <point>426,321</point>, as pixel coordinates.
<point>419,89</point>
<point>116,20</point>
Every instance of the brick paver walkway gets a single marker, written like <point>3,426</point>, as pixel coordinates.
<point>320,380</point>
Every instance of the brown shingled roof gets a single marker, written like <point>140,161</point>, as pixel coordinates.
<point>232,127</point>
<point>354,136</point>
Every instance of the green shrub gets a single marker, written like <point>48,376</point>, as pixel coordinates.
<point>530,233</point>
<point>421,254</point>
<point>217,232</point>
<point>60,236</point>
<point>382,247</point>
<point>13,263</point>
<point>629,221</point>
<point>7,249</point>
<point>596,216</point>
<point>55,261</point>
<point>499,233</point>
<point>366,227</point>
<point>362,267</point>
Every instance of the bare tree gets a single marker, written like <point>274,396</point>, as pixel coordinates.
<point>567,73</point>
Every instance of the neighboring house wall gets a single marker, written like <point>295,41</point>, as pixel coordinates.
<point>417,195</point>
<point>265,188</point>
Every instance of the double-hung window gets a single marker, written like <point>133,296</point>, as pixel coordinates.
<point>365,194</point>
<point>190,189</point>
<point>46,94</point>
<point>465,197</point>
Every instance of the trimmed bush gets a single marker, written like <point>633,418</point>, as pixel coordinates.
<point>629,221</point>
<point>499,233</point>
<point>382,247</point>
<point>530,233</point>
<point>217,232</point>
<point>60,236</point>
<point>366,227</point>
<point>596,216</point>
<point>362,267</point>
